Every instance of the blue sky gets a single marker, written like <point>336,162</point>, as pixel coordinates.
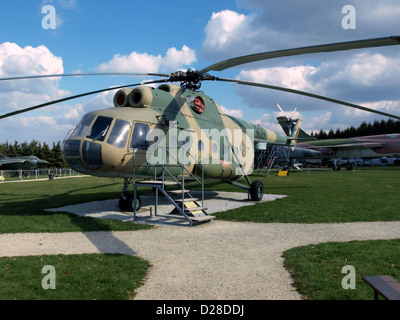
<point>164,36</point>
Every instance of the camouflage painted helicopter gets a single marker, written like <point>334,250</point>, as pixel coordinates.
<point>171,124</point>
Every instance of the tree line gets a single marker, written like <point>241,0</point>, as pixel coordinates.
<point>35,148</point>
<point>365,129</point>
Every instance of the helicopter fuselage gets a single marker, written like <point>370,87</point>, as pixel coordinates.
<point>165,126</point>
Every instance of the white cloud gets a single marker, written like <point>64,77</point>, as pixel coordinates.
<point>237,113</point>
<point>176,59</point>
<point>37,122</point>
<point>134,62</point>
<point>19,94</point>
<point>225,27</point>
<point>42,128</point>
<point>228,32</point>
<point>293,77</point>
<point>318,122</point>
<point>361,79</point>
<point>17,61</point>
<point>268,121</point>
<point>146,63</point>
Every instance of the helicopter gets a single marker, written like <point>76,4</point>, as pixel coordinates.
<point>178,128</point>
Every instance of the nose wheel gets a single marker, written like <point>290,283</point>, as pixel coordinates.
<point>126,200</point>
<point>256,190</point>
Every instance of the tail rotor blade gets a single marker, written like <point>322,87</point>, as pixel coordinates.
<point>281,109</point>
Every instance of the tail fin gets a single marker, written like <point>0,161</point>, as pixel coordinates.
<point>292,130</point>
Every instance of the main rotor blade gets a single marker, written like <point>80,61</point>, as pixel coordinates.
<point>340,46</point>
<point>85,74</point>
<point>307,94</point>
<point>10,114</point>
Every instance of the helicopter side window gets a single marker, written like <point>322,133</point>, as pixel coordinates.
<point>119,134</point>
<point>99,129</point>
<point>139,136</point>
<point>82,127</point>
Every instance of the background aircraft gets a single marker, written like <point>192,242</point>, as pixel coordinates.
<point>376,146</point>
<point>285,155</point>
<point>23,163</point>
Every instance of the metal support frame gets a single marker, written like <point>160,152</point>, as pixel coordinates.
<point>159,185</point>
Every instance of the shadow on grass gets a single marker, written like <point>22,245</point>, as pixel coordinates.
<point>25,212</point>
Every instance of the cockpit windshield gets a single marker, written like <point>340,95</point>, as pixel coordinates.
<point>82,127</point>
<point>119,134</point>
<point>99,129</point>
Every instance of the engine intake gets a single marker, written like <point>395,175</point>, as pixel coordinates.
<point>136,98</point>
<point>121,98</point>
<point>141,97</point>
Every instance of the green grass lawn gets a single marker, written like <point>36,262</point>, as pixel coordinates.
<point>22,205</point>
<point>77,277</point>
<point>325,197</point>
<point>317,269</point>
<point>313,197</point>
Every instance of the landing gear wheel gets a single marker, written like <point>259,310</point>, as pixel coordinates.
<point>127,204</point>
<point>256,190</point>
<point>131,201</point>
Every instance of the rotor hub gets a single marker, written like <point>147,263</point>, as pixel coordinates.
<point>190,79</point>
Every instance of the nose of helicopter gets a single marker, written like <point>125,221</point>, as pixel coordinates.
<point>97,144</point>
<point>82,156</point>
<point>82,149</point>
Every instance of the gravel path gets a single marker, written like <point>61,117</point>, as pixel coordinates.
<point>217,260</point>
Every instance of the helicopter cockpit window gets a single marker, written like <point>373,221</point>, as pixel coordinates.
<point>139,136</point>
<point>119,134</point>
<point>82,127</point>
<point>196,103</point>
<point>99,129</point>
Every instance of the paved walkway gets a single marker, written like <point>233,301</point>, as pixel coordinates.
<point>217,260</point>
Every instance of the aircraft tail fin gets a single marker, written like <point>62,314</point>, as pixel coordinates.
<point>292,129</point>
